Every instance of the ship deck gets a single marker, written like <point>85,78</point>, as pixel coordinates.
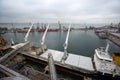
<point>57,55</point>
<point>78,61</point>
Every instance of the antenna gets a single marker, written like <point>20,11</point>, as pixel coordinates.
<point>26,36</point>
<point>66,45</point>
<point>43,39</point>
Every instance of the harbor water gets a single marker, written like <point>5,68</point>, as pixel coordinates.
<point>80,42</point>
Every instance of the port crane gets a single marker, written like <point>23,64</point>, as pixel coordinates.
<point>43,39</point>
<point>66,45</point>
<point>26,36</point>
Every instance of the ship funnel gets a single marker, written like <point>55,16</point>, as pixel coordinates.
<point>107,47</point>
<point>26,36</point>
<point>66,45</point>
<point>43,39</point>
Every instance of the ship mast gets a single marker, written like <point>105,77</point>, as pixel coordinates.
<point>52,69</point>
<point>43,39</point>
<point>66,45</point>
<point>26,36</point>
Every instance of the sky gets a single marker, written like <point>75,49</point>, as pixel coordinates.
<point>65,11</point>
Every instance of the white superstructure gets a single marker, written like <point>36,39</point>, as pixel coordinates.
<point>104,62</point>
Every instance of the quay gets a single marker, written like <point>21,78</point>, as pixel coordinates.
<point>114,37</point>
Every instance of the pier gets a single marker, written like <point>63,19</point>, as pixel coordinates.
<point>114,37</point>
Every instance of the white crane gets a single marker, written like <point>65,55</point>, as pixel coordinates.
<point>43,39</point>
<point>26,36</point>
<point>66,45</point>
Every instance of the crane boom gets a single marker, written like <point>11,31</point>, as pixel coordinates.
<point>26,36</point>
<point>66,45</point>
<point>43,38</point>
<point>66,41</point>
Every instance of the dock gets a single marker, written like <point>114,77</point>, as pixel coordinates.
<point>114,37</point>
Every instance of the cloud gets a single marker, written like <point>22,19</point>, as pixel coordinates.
<point>89,11</point>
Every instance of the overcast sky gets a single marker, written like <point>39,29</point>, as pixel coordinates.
<point>76,11</point>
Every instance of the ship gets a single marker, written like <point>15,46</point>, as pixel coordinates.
<point>101,34</point>
<point>104,63</point>
<point>49,30</point>
<point>43,28</point>
<point>25,30</point>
